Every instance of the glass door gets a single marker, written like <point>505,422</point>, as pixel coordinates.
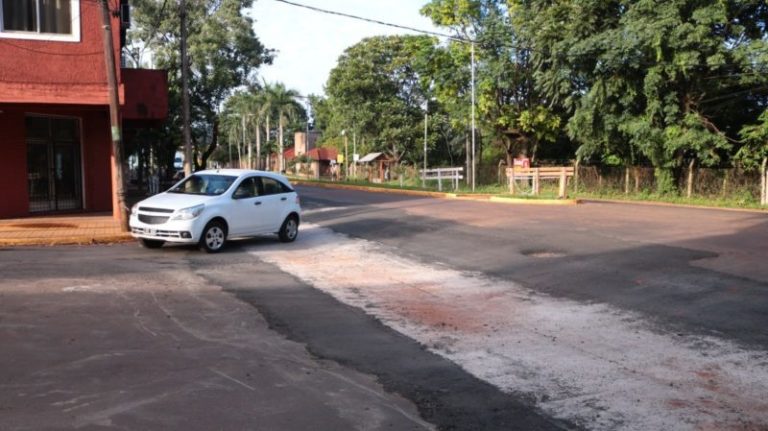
<point>53,164</point>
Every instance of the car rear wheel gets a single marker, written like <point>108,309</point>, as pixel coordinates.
<point>290,229</point>
<point>151,243</point>
<point>213,238</point>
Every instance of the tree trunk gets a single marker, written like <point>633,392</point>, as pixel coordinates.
<point>626,180</point>
<point>211,148</point>
<point>468,150</point>
<point>725,183</point>
<point>258,146</point>
<point>280,161</point>
<point>764,177</point>
<point>637,179</point>
<point>689,190</point>
<point>576,176</point>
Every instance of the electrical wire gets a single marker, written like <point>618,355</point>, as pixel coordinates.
<point>375,21</point>
<point>477,43</point>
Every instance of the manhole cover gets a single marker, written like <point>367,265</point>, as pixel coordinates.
<point>542,254</point>
<point>43,225</point>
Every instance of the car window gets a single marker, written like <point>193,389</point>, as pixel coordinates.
<point>271,186</point>
<point>247,189</point>
<point>204,184</point>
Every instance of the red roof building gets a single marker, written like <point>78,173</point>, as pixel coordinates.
<point>54,113</point>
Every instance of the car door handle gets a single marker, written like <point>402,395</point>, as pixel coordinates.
<point>257,203</point>
<point>283,198</point>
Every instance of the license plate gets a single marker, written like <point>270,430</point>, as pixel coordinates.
<point>151,231</point>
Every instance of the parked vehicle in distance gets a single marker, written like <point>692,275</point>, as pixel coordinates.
<point>209,207</point>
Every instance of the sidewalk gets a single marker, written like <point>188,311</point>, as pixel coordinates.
<point>60,230</point>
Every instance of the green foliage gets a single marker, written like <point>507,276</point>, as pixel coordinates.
<point>657,80</point>
<point>511,112</point>
<point>224,54</point>
<point>376,91</point>
<point>755,136</point>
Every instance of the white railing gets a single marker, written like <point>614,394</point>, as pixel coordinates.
<point>440,174</point>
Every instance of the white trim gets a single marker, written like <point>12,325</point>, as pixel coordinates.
<point>54,37</point>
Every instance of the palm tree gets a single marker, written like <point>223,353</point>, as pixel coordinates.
<point>282,101</point>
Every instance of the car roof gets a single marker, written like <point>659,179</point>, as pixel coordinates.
<point>242,172</point>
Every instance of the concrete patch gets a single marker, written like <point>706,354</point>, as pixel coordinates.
<point>593,364</point>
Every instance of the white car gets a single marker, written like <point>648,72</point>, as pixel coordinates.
<point>209,207</point>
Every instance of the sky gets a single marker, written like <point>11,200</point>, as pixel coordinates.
<point>309,43</point>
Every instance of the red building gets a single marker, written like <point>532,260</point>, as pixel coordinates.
<point>55,142</point>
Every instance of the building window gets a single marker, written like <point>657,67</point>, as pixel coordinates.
<point>40,19</point>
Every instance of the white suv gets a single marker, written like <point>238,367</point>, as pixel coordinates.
<point>208,207</point>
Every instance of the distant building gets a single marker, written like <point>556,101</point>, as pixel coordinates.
<point>54,114</point>
<point>302,145</point>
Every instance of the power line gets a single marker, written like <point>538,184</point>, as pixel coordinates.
<point>375,21</point>
<point>514,46</point>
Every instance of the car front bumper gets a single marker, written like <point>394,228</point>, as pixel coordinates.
<point>181,231</point>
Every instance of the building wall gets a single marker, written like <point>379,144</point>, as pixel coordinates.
<point>39,71</point>
<point>95,156</point>
<point>13,183</point>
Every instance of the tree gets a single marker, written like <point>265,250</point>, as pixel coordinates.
<point>377,90</point>
<point>755,136</point>
<point>224,54</point>
<point>511,110</point>
<point>667,81</point>
<point>282,101</point>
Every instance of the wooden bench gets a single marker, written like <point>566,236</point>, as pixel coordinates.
<point>537,174</point>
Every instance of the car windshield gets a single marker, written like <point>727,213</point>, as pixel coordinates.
<point>204,184</point>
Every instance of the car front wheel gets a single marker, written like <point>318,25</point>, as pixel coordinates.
<point>290,229</point>
<point>213,238</point>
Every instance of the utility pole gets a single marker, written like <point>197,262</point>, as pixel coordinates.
<point>354,153</point>
<point>121,210</point>
<point>426,117</point>
<point>346,157</point>
<point>185,127</point>
<point>474,163</point>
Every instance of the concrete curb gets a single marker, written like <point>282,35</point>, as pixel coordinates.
<point>70,240</point>
<point>441,195</point>
<point>520,201</point>
<point>674,205</point>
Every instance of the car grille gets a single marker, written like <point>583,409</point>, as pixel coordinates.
<point>155,210</point>
<point>150,219</point>
<point>157,233</point>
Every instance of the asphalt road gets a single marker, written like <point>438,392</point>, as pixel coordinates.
<point>397,312</point>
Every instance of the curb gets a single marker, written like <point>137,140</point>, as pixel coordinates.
<point>674,205</point>
<point>441,195</point>
<point>560,202</point>
<point>72,240</point>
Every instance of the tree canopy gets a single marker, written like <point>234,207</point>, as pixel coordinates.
<point>224,55</point>
<point>652,82</point>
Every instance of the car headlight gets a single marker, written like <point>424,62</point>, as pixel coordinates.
<point>135,209</point>
<point>188,213</point>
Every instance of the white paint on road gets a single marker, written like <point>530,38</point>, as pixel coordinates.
<point>599,366</point>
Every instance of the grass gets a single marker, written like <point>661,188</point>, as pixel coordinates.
<point>739,199</point>
<point>743,200</point>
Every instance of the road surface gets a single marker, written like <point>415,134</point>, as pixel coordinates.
<point>399,312</point>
